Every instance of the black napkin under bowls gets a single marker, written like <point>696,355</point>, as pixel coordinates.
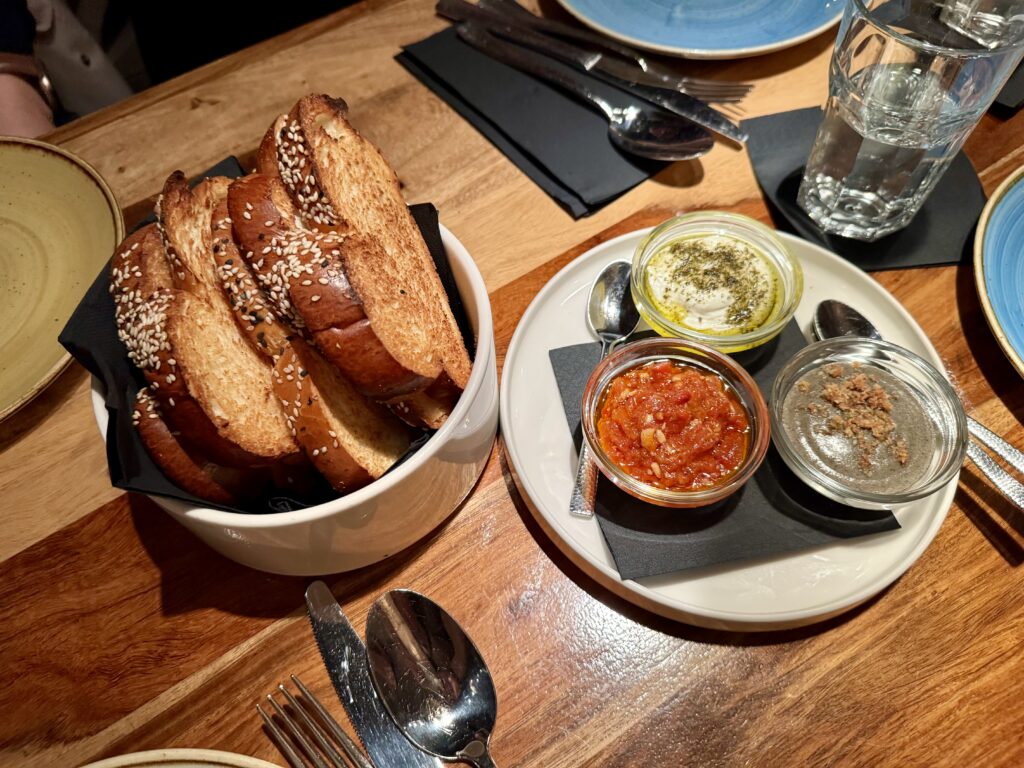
<point>774,514</point>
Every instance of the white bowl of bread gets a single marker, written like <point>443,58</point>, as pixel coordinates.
<point>292,330</point>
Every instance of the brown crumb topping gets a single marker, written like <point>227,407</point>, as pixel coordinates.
<point>861,411</point>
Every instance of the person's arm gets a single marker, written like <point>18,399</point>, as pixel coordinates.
<point>24,110</point>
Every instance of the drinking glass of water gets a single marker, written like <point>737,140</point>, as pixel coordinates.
<point>906,88</point>
<point>991,22</point>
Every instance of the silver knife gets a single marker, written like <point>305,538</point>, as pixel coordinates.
<point>344,656</point>
<point>611,71</point>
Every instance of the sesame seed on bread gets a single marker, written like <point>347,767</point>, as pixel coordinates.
<point>305,274</point>
<point>252,311</point>
<point>144,300</point>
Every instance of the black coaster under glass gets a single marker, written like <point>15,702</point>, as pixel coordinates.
<point>942,232</point>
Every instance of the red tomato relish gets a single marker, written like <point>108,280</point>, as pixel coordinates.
<point>673,426</point>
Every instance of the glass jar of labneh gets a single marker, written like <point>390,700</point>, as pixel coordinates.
<point>721,279</point>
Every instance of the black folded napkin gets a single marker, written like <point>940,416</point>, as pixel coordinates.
<point>561,143</point>
<point>91,337</point>
<point>775,513</point>
<point>942,232</point>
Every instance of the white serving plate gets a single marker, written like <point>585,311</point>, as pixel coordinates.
<point>788,591</point>
<point>392,513</point>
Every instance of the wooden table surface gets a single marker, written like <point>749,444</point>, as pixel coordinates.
<point>121,632</point>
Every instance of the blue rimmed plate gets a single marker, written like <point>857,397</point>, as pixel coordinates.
<point>708,29</point>
<point>999,266</point>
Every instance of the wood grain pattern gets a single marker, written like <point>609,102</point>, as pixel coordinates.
<point>120,632</point>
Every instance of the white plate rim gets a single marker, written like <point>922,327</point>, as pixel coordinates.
<point>162,757</point>
<point>703,53</point>
<point>649,598</point>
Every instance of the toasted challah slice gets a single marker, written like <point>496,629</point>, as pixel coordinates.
<point>185,470</point>
<point>348,438</point>
<point>341,182</point>
<point>226,377</point>
<point>305,274</point>
<point>145,300</point>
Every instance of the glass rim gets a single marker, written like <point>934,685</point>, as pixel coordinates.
<point>981,51</point>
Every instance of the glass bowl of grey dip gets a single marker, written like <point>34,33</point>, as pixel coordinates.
<point>867,423</point>
<point>720,279</point>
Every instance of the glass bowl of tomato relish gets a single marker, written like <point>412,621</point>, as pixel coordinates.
<point>675,422</point>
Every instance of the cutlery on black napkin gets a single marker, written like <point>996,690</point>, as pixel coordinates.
<point>643,71</point>
<point>560,143</point>
<point>616,73</point>
<point>642,130</point>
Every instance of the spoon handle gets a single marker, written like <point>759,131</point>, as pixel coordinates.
<point>482,38</point>
<point>584,490</point>
<point>996,444</point>
<point>996,475</point>
<point>476,754</point>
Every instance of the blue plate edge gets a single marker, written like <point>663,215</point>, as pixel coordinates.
<point>703,53</point>
<point>1013,354</point>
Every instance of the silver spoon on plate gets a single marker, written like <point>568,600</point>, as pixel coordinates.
<point>834,318</point>
<point>612,317</point>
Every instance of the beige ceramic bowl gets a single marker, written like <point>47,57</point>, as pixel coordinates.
<point>59,223</point>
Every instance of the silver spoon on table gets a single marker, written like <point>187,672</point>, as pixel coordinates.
<point>431,678</point>
<point>834,318</point>
<point>634,125</point>
<point>612,317</point>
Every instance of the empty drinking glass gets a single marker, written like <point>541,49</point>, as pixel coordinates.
<point>905,91</point>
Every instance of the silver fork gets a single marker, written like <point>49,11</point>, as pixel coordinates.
<point>699,87</point>
<point>299,724</point>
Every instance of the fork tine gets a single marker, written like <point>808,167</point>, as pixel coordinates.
<point>716,91</point>
<point>342,738</point>
<point>296,734</point>
<point>314,730</point>
<point>281,741</point>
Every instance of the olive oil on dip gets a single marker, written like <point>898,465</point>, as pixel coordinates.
<point>713,283</point>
